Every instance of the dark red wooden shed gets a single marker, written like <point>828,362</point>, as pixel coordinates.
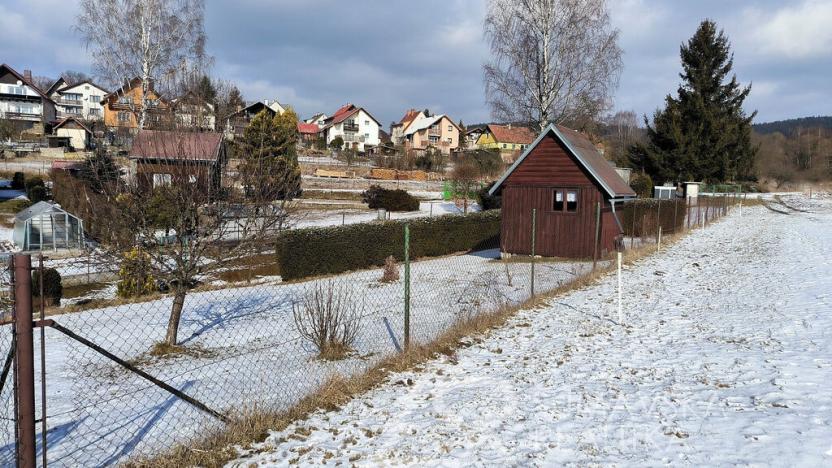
<point>563,176</point>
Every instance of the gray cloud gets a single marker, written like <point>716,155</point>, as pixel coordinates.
<point>390,56</point>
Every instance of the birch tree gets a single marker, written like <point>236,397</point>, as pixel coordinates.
<point>551,60</point>
<point>155,40</point>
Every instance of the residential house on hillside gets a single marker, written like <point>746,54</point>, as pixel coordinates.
<point>508,139</point>
<point>436,131</point>
<point>355,126</point>
<point>317,119</point>
<point>176,157</point>
<point>22,103</point>
<point>237,121</point>
<point>81,100</point>
<point>193,112</point>
<point>122,108</point>
<point>397,129</point>
<point>472,134</point>
<point>276,106</point>
<point>79,135</point>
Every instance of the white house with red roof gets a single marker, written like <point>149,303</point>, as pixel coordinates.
<point>358,129</point>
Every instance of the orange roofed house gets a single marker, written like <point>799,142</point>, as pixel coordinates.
<point>510,140</point>
<point>121,108</point>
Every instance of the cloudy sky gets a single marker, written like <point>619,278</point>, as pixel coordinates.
<point>389,56</point>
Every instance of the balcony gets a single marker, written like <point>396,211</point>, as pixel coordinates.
<point>434,131</point>
<point>22,116</point>
<point>353,138</point>
<point>69,102</point>
<point>350,127</point>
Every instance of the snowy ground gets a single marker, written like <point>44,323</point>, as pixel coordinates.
<point>725,358</point>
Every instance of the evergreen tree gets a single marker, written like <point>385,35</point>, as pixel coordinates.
<point>703,133</point>
<point>205,90</point>
<point>269,168</point>
<point>99,170</point>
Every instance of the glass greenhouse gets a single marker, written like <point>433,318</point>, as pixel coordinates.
<point>45,226</point>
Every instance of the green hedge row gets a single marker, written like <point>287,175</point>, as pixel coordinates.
<point>320,251</point>
<point>641,218</point>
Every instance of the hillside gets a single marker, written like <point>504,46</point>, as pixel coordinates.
<point>788,126</point>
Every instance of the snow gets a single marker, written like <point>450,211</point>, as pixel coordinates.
<point>725,357</point>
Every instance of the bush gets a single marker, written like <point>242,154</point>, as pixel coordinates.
<point>642,184</point>
<point>488,202</point>
<point>134,275</point>
<point>53,291</point>
<point>640,218</point>
<point>37,194</point>
<point>309,252</point>
<point>336,143</point>
<point>391,200</point>
<point>328,318</point>
<point>18,181</point>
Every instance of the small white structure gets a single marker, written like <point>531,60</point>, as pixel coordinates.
<point>692,189</point>
<point>45,226</point>
<point>79,134</point>
<point>664,192</point>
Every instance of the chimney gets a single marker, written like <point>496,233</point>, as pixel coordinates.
<point>509,126</point>
<point>27,75</point>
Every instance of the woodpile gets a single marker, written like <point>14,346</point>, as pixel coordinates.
<point>392,174</point>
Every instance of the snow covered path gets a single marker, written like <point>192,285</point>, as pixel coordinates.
<point>726,359</point>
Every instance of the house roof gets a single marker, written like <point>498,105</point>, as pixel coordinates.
<point>308,128</point>
<point>409,116</point>
<point>25,81</point>
<point>72,119</point>
<point>75,85</point>
<point>511,134</point>
<point>173,145</point>
<point>55,85</point>
<point>344,112</point>
<point>587,156</point>
<point>128,85</point>
<point>252,107</point>
<point>40,208</point>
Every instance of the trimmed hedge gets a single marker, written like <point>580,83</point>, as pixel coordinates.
<point>53,290</point>
<point>646,212</point>
<point>321,251</point>
<point>391,200</point>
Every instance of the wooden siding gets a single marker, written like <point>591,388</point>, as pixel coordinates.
<point>532,186</point>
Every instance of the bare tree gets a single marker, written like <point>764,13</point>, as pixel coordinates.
<point>552,60</point>
<point>466,175</point>
<point>154,40</point>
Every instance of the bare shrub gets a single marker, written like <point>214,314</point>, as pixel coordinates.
<point>390,272</point>
<point>329,318</point>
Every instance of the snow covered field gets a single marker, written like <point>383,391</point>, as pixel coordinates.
<point>725,358</point>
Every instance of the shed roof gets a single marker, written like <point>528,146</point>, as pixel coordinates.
<point>587,156</point>
<point>40,208</point>
<point>171,145</point>
<point>71,119</point>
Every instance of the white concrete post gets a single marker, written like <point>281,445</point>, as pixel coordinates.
<point>659,242</point>
<point>620,312</point>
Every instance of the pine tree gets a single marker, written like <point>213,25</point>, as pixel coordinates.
<point>269,168</point>
<point>205,90</point>
<point>703,133</point>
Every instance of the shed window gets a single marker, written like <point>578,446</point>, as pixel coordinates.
<point>558,201</point>
<point>572,200</point>
<point>564,200</point>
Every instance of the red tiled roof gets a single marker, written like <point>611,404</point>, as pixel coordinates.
<point>409,116</point>
<point>192,146</point>
<point>308,128</point>
<point>506,134</point>
<point>343,113</point>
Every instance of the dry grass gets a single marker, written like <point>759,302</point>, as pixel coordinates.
<point>217,448</point>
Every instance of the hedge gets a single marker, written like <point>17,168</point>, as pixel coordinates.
<point>391,200</point>
<point>321,251</point>
<point>672,213</point>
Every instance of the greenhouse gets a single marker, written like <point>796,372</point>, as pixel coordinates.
<point>45,226</point>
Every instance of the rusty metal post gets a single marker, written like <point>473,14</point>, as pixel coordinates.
<point>597,234</point>
<point>24,368</point>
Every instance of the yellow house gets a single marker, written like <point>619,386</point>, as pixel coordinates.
<point>121,107</point>
<point>509,140</point>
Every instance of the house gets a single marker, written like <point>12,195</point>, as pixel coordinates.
<point>317,119</point>
<point>46,226</point>
<point>22,103</point>
<point>472,134</point>
<point>397,129</point>
<point>163,158</point>
<point>308,132</point>
<point>237,121</point>
<point>79,134</point>
<point>122,107</point>
<point>508,139</point>
<point>564,179</point>
<point>355,126</point>
<point>192,112</point>
<point>81,100</point>
<point>436,131</point>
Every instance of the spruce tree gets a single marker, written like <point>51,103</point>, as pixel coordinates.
<point>702,134</point>
<point>269,168</point>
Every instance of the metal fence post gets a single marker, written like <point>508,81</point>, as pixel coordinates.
<point>407,286</point>
<point>597,234</point>
<point>24,364</point>
<point>534,238</point>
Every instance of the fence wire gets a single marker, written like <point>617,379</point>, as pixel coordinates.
<point>240,347</point>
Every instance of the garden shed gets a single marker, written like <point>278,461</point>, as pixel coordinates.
<point>564,179</point>
<point>45,226</point>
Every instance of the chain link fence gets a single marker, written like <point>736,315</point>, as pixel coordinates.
<point>250,341</point>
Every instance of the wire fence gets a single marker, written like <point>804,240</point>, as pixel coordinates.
<point>115,390</point>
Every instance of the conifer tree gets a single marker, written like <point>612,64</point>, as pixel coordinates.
<point>703,133</point>
<point>269,168</point>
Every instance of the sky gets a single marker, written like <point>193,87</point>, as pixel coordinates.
<point>389,56</point>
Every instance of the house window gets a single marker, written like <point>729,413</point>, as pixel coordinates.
<point>366,122</point>
<point>95,98</point>
<point>161,180</point>
<point>125,100</point>
<point>17,89</point>
<point>450,140</point>
<point>505,146</point>
<point>123,116</point>
<point>450,128</point>
<point>565,200</point>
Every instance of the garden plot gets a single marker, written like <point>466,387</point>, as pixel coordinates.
<point>243,352</point>
<point>725,359</point>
